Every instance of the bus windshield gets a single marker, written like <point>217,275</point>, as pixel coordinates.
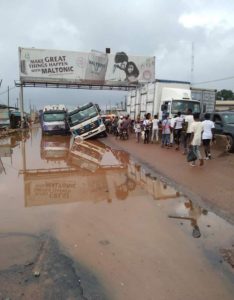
<point>53,117</point>
<point>183,106</point>
<point>83,115</point>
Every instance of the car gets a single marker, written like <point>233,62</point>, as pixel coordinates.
<point>224,125</point>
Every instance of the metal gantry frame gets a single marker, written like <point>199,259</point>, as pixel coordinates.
<point>87,86</point>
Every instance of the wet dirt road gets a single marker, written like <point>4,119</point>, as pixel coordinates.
<point>86,221</point>
<point>211,185</point>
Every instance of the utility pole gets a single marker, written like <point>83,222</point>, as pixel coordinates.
<point>21,96</point>
<point>192,64</point>
<point>110,108</point>
<point>8,96</point>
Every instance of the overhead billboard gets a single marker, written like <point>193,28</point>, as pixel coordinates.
<point>55,66</point>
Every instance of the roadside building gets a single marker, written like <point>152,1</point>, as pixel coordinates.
<point>224,105</point>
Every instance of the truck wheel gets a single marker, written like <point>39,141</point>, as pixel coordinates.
<point>230,144</point>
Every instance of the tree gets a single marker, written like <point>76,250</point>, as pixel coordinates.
<point>225,95</point>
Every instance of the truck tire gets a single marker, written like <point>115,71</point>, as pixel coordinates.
<point>230,144</point>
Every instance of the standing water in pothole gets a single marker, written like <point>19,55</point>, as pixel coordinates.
<point>93,218</point>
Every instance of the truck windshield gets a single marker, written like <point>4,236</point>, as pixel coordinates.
<point>83,115</point>
<point>228,118</point>
<point>183,106</point>
<point>53,117</point>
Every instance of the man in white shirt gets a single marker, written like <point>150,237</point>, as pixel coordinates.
<point>172,122</point>
<point>188,123</point>
<point>155,129</point>
<point>147,124</point>
<point>196,130</point>
<point>207,135</point>
<point>119,127</point>
<point>178,126</point>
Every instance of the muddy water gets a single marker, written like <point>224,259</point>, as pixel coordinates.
<point>83,221</point>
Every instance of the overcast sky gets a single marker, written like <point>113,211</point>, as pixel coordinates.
<point>165,29</point>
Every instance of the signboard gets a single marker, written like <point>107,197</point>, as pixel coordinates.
<point>55,66</point>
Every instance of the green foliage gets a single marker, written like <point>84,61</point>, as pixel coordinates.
<point>225,95</point>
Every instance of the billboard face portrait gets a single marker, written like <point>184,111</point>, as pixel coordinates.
<point>39,65</point>
<point>130,69</point>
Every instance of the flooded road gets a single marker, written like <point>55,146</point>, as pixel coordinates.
<point>84,221</point>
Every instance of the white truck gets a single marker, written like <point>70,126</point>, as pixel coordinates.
<point>206,97</point>
<point>163,96</point>
<point>53,119</point>
<point>85,121</point>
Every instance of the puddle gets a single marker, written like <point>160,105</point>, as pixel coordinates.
<point>132,232</point>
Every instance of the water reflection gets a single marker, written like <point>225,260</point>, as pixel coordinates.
<point>2,169</point>
<point>54,148</point>
<point>193,213</point>
<point>89,173</point>
<point>8,143</point>
<point>92,171</point>
<point>6,147</point>
<point>94,155</point>
<point>151,184</point>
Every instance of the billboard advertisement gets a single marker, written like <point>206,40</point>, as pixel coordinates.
<point>67,67</point>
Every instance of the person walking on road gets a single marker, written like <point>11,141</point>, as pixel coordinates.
<point>154,129</point>
<point>166,131</point>
<point>172,124</point>
<point>147,124</point>
<point>187,135</point>
<point>196,130</point>
<point>119,126</point>
<point>137,127</point>
<point>178,126</point>
<point>207,135</point>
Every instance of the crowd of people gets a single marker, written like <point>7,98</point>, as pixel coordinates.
<point>187,132</point>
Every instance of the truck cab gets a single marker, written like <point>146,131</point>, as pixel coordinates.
<point>85,121</point>
<point>174,100</point>
<point>54,119</point>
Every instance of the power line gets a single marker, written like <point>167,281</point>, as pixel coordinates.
<point>5,92</point>
<point>215,80</point>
